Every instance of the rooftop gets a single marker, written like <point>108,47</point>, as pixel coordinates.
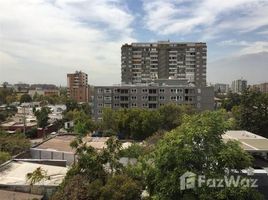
<point>249,141</point>
<point>58,143</point>
<point>14,173</point>
<point>62,143</point>
<point>7,195</point>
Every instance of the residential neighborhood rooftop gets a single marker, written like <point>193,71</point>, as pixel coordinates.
<point>14,173</point>
<point>249,141</point>
<point>7,195</point>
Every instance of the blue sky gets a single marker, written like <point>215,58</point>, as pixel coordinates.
<point>42,40</point>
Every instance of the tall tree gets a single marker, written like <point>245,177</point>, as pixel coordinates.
<point>25,98</point>
<point>196,146</point>
<point>252,113</point>
<point>42,117</point>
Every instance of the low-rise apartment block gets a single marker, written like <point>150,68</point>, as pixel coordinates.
<point>263,87</point>
<point>152,96</point>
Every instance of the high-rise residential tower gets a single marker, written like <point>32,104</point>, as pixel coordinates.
<point>238,86</point>
<point>78,88</point>
<point>146,62</point>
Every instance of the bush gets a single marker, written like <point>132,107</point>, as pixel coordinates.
<point>4,156</point>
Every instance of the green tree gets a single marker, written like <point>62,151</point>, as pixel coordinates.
<point>25,98</point>
<point>232,99</point>
<point>252,113</point>
<point>171,115</point>
<point>36,176</point>
<point>195,146</point>
<point>121,187</point>
<point>13,143</point>
<point>4,156</point>
<point>42,117</point>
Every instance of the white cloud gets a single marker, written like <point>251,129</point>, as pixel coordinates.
<point>58,37</point>
<point>246,47</point>
<point>207,17</point>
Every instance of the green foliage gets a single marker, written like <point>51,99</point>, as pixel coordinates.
<point>195,146</point>
<point>133,151</point>
<point>118,187</point>
<point>109,133</point>
<point>25,98</point>
<point>233,99</point>
<point>42,117</point>
<point>13,143</point>
<point>121,187</point>
<point>139,123</point>
<point>81,121</point>
<point>252,113</point>
<point>5,94</point>
<point>36,176</point>
<point>171,115</point>
<point>97,175</point>
<point>32,133</point>
<point>4,156</point>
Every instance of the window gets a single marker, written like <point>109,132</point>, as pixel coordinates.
<point>152,98</point>
<point>179,98</point>
<point>100,105</point>
<point>173,90</point>
<point>145,105</point>
<point>100,111</point>
<point>152,105</point>
<point>162,90</point>
<point>116,105</point>
<point>107,98</point>
<point>133,105</point>
<point>179,90</point>
<point>144,90</point>
<point>116,97</point>
<point>144,97</point>
<point>116,90</point>
<point>124,91</point>
<point>133,97</point>
<point>123,98</point>
<point>100,90</point>
<point>100,97</point>
<point>133,90</point>
<point>152,91</point>
<point>106,90</point>
<point>173,98</point>
<point>161,98</point>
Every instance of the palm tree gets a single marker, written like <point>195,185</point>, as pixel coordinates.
<point>36,176</point>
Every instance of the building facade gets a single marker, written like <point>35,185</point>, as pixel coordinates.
<point>152,96</point>
<point>146,62</point>
<point>263,87</point>
<point>221,88</point>
<point>238,86</point>
<point>77,86</point>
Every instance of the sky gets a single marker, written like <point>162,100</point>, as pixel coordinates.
<point>43,40</point>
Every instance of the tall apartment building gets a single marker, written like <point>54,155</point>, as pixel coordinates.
<point>78,88</point>
<point>238,86</point>
<point>221,88</point>
<point>263,87</point>
<point>146,62</point>
<point>152,96</point>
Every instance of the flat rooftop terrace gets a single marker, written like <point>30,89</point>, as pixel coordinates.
<point>8,195</point>
<point>249,141</point>
<point>14,173</point>
<point>62,143</point>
